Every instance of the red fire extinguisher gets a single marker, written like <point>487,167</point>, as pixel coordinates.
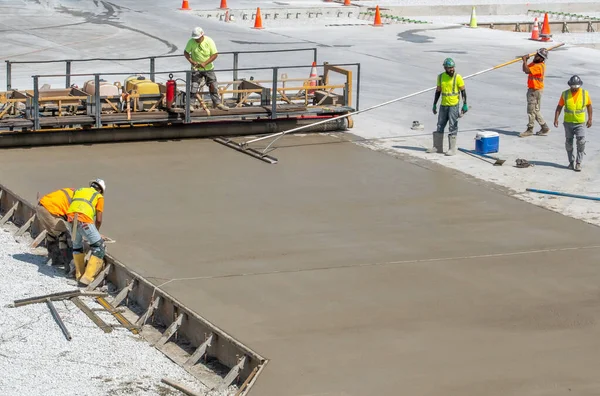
<point>171,89</point>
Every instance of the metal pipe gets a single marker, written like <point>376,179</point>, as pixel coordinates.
<point>98,109</point>
<point>58,319</point>
<point>384,103</point>
<point>235,65</point>
<point>152,68</point>
<point>274,95</point>
<point>188,97</point>
<point>36,104</point>
<point>358,87</point>
<point>8,75</point>
<point>563,194</point>
<point>68,74</point>
<point>315,54</point>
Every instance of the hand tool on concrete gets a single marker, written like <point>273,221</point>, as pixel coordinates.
<point>562,194</point>
<point>58,319</point>
<point>497,161</point>
<point>243,147</point>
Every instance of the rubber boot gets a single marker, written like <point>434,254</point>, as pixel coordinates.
<point>451,145</point>
<point>79,260</point>
<point>92,270</point>
<point>438,143</point>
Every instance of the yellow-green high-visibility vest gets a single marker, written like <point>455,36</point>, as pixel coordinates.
<point>84,201</point>
<point>575,110</point>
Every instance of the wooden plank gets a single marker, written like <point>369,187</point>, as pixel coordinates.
<point>122,294</point>
<point>9,214</point>
<point>142,320</point>
<point>179,387</point>
<point>56,297</point>
<point>100,278</point>
<point>36,242</point>
<point>170,331</point>
<point>25,226</point>
<point>232,375</point>
<point>248,380</point>
<point>90,314</point>
<point>199,352</point>
<point>122,319</point>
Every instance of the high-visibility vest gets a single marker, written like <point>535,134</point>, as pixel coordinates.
<point>84,201</point>
<point>537,82</point>
<point>58,202</point>
<point>575,111</point>
<point>449,91</point>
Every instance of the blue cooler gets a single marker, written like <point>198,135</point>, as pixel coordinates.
<point>487,142</point>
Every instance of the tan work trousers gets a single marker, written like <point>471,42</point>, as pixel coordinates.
<point>534,102</point>
<point>54,225</point>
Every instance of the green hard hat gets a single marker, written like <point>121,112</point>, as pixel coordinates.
<point>448,62</point>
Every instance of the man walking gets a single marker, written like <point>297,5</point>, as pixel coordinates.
<point>575,101</point>
<point>201,52</point>
<point>449,84</point>
<point>535,86</point>
<point>86,211</point>
<point>51,211</point>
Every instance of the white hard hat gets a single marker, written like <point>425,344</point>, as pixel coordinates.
<point>100,183</point>
<point>197,33</point>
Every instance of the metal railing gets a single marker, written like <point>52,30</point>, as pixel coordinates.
<point>151,59</point>
<point>35,103</point>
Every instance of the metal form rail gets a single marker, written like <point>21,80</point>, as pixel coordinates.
<point>561,26</point>
<point>182,324</point>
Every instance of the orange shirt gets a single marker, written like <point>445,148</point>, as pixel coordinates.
<point>85,219</point>
<point>58,202</point>
<point>535,79</point>
<point>588,101</point>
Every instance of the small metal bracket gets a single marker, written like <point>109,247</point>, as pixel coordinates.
<point>142,320</point>
<point>199,352</point>
<point>123,294</point>
<point>232,375</point>
<point>25,226</point>
<point>9,214</point>
<point>100,278</point>
<point>170,331</point>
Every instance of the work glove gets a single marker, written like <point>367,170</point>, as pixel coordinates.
<point>434,108</point>
<point>465,108</point>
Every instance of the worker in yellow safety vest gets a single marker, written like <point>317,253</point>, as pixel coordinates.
<point>576,102</point>
<point>86,211</point>
<point>51,213</point>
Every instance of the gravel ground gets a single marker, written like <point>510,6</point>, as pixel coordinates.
<point>36,358</point>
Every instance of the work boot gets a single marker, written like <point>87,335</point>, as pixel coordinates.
<point>578,167</point>
<point>570,167</point>
<point>79,260</point>
<point>528,132</point>
<point>92,270</point>
<point>544,131</point>
<point>451,145</point>
<point>221,106</point>
<point>438,143</point>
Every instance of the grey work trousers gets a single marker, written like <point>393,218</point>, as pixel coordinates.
<point>534,103</point>
<point>448,114</point>
<point>573,131</point>
<point>211,81</point>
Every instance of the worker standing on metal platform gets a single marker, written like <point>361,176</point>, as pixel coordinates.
<point>449,84</point>
<point>86,213</point>
<point>51,211</point>
<point>576,101</point>
<point>535,87</point>
<point>201,52</point>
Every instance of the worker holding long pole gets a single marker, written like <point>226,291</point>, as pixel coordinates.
<point>535,87</point>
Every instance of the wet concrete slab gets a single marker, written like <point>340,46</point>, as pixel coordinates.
<point>353,271</point>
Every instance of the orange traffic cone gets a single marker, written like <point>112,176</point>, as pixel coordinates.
<point>377,21</point>
<point>185,5</point>
<point>535,32</point>
<point>347,2</point>
<point>258,20</point>
<point>545,35</point>
<point>313,75</point>
<point>223,4</point>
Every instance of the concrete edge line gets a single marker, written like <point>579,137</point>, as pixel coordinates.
<point>226,349</point>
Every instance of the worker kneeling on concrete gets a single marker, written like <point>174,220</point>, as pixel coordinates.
<point>201,52</point>
<point>51,212</point>
<point>575,101</point>
<point>449,84</point>
<point>86,212</point>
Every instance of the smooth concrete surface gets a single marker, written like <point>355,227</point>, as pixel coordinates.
<point>354,272</point>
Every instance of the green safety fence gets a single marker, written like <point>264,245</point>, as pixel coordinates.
<point>565,14</point>
<point>392,17</point>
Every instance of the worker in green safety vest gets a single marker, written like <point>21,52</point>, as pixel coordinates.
<point>576,102</point>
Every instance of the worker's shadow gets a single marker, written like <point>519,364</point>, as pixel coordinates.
<point>40,262</point>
